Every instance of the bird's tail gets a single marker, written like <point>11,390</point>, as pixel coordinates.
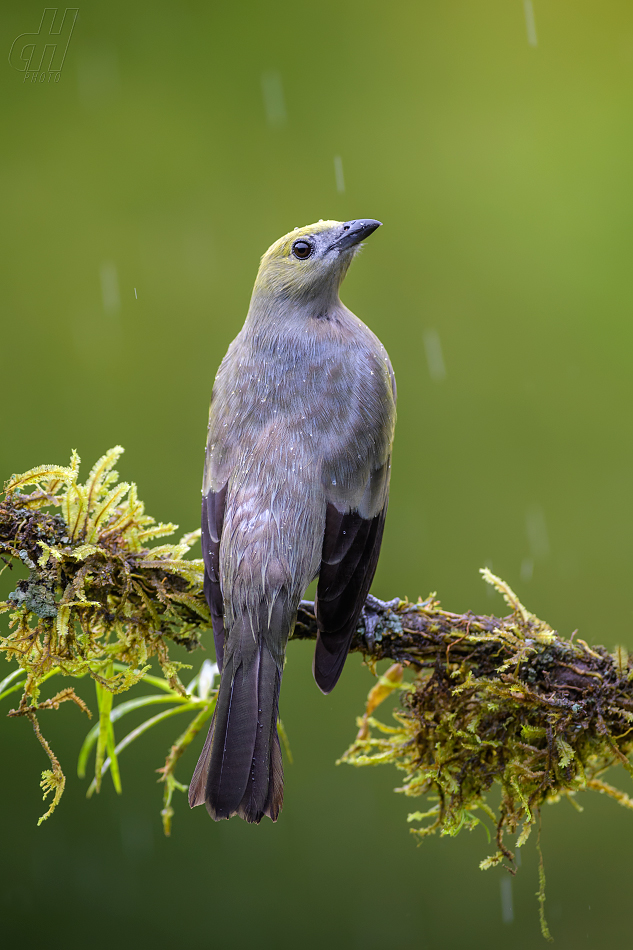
<point>240,770</point>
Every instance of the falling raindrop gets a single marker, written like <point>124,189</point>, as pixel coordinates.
<point>338,174</point>
<point>110,287</point>
<point>507,908</point>
<point>274,103</point>
<point>530,22</point>
<point>434,355</point>
<point>527,569</point>
<point>536,529</point>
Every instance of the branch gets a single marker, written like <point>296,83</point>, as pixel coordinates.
<point>494,701</point>
<point>489,700</point>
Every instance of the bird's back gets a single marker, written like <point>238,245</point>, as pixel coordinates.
<point>296,484</point>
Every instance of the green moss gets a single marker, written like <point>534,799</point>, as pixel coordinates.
<point>503,703</point>
<point>494,702</point>
<point>98,600</point>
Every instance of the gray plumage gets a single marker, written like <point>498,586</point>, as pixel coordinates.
<point>296,485</point>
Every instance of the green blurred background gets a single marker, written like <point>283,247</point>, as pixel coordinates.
<point>494,140</point>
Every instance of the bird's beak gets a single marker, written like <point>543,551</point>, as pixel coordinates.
<point>353,232</point>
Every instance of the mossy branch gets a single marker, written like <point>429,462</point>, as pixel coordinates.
<point>499,701</point>
<point>98,602</point>
<point>494,700</point>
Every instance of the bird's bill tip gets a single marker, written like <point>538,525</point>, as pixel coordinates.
<point>353,232</point>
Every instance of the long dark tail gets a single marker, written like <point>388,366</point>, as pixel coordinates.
<point>240,770</point>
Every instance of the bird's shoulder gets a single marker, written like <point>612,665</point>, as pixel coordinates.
<point>356,337</point>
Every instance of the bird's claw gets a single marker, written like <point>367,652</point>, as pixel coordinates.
<point>373,610</point>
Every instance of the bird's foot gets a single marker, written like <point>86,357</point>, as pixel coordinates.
<point>373,611</point>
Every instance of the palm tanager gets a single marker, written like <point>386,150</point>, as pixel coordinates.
<point>296,484</point>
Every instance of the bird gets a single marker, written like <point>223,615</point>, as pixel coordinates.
<point>295,487</point>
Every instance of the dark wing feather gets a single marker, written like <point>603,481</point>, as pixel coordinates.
<point>212,521</point>
<point>351,546</point>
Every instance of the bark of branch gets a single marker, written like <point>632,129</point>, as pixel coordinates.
<point>564,673</point>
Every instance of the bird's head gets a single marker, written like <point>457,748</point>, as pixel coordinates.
<point>309,263</point>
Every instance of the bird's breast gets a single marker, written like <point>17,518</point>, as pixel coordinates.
<point>327,398</point>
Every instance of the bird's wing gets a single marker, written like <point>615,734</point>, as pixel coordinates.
<point>213,504</point>
<point>351,546</point>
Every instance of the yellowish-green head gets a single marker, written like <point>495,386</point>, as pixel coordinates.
<point>310,262</point>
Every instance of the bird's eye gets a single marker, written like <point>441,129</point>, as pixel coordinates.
<point>302,249</point>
